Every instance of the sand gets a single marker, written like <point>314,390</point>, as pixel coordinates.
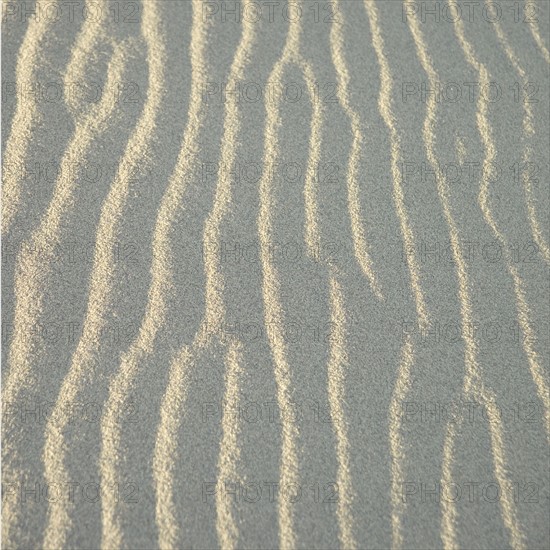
<point>275,278</point>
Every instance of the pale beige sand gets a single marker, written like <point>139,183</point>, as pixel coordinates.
<point>196,292</point>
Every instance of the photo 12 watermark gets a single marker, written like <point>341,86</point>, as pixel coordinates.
<point>52,91</point>
<point>471,492</point>
<point>253,492</point>
<point>470,11</point>
<point>269,11</point>
<point>75,492</point>
<point>471,92</point>
<point>71,11</point>
<point>469,412</point>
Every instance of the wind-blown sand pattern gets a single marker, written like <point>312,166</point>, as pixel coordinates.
<point>336,377</point>
<point>473,383</point>
<point>529,132</point>
<point>362,375</point>
<point>359,240</point>
<point>32,277</point>
<point>385,105</point>
<point>535,31</point>
<point>397,445</point>
<point>403,380</point>
<point>273,310</point>
<point>27,117</point>
<point>159,294</point>
<point>523,310</point>
<point>103,274</point>
<point>91,35</point>
<point>337,353</point>
<point>228,461</point>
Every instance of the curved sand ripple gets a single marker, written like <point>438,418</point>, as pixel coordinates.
<point>101,287</point>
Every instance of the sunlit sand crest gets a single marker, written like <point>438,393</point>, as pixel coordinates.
<point>354,205</point>
<point>473,383</point>
<point>385,105</point>
<point>35,262</point>
<point>155,315</point>
<point>102,280</point>
<point>528,132</point>
<point>523,310</point>
<point>26,118</point>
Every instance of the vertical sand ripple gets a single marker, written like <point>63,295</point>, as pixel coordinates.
<point>354,205</point>
<point>403,381</point>
<point>230,454</point>
<point>160,292</point>
<point>101,284</point>
<point>522,306</point>
<point>473,383</point>
<point>93,30</point>
<point>535,31</point>
<point>397,445</point>
<point>385,105</point>
<point>528,131</point>
<point>271,291</point>
<point>312,235</point>
<point>449,513</point>
<point>35,261</point>
<point>337,353</point>
<point>26,119</point>
<point>215,310</point>
<point>173,403</point>
<point>338,360</point>
<point>166,448</point>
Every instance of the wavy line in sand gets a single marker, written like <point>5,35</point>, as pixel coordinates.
<point>160,292</point>
<point>101,285</point>
<point>473,384</point>
<point>172,408</point>
<point>336,393</point>
<point>337,353</point>
<point>523,309</point>
<point>397,444</point>
<point>93,29</point>
<point>26,119</point>
<point>449,513</point>
<point>385,105</point>
<point>360,244</point>
<point>34,263</point>
<point>273,309</point>
<point>402,384</point>
<point>215,311</point>
<point>528,131</point>
<point>311,185</point>
<point>535,31</point>
<point>230,453</point>
<point>175,395</point>
<point>337,358</point>
<point>35,260</point>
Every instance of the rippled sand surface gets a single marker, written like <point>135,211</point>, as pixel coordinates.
<point>275,275</point>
